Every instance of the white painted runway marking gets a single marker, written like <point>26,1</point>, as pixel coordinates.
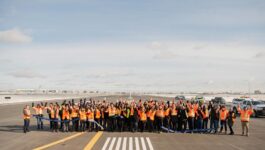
<point>141,143</point>
<point>106,144</point>
<point>130,143</point>
<point>112,143</point>
<point>118,145</point>
<point>124,143</point>
<point>137,143</point>
<point>149,144</point>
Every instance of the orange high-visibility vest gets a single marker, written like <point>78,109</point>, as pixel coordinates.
<point>166,112</point>
<point>82,115</point>
<point>26,116</point>
<point>131,111</point>
<point>38,110</point>
<point>174,112</point>
<point>205,114</point>
<point>160,113</point>
<point>142,116</point>
<point>191,112</point>
<point>65,115</point>
<point>74,113</point>
<point>152,115</point>
<point>223,114</point>
<point>97,114</point>
<point>245,115</point>
<point>90,115</point>
<point>54,113</point>
<point>112,111</point>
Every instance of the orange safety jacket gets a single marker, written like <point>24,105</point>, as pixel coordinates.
<point>174,112</point>
<point>38,111</point>
<point>82,115</point>
<point>160,113</point>
<point>245,114</point>
<point>191,112</point>
<point>26,115</point>
<point>205,114</point>
<point>112,111</point>
<point>142,116</point>
<point>97,114</point>
<point>166,112</point>
<point>90,115</point>
<point>74,113</point>
<point>65,115</point>
<point>151,115</point>
<point>223,114</point>
<point>131,111</point>
<point>54,113</point>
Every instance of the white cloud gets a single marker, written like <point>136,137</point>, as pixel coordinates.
<point>14,35</point>
<point>26,74</point>
<point>164,54</point>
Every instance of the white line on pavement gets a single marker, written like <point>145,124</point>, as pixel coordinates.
<point>143,143</point>
<point>118,144</point>
<point>112,143</point>
<point>106,144</point>
<point>149,144</point>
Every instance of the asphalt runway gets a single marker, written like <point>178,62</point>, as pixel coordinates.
<point>12,137</point>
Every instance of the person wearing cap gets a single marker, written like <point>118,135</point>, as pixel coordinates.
<point>245,118</point>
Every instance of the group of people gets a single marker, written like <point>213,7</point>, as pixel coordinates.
<point>125,115</point>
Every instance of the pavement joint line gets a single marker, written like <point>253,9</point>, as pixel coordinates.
<point>93,141</point>
<point>58,141</point>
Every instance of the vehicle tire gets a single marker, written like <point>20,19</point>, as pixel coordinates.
<point>255,114</point>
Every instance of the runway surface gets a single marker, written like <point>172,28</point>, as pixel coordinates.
<point>12,137</point>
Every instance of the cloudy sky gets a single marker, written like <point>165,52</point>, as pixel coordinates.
<point>139,45</point>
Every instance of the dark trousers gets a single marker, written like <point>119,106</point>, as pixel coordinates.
<point>75,124</point>
<point>50,121</point>
<point>184,125</point>
<point>205,123</point>
<point>112,122</point>
<point>223,124</point>
<point>142,125</point>
<point>230,125</point>
<point>174,122</point>
<point>159,123</point>
<point>150,124</point>
<point>120,123</point>
<point>191,123</point>
<point>96,126</point>
<point>90,125</point>
<point>166,122</point>
<point>65,125</point>
<point>133,124</point>
<point>39,122</point>
<point>82,125</point>
<point>55,124</point>
<point>26,125</point>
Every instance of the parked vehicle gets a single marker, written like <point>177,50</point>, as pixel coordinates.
<point>180,97</point>
<point>199,99</point>
<point>257,105</point>
<point>236,102</point>
<point>219,101</point>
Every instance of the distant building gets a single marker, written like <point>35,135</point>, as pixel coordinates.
<point>257,92</point>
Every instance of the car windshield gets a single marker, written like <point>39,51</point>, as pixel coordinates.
<point>257,102</point>
<point>238,100</point>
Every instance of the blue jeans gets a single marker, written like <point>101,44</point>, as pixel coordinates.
<point>26,125</point>
<point>199,124</point>
<point>39,122</point>
<point>216,122</point>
